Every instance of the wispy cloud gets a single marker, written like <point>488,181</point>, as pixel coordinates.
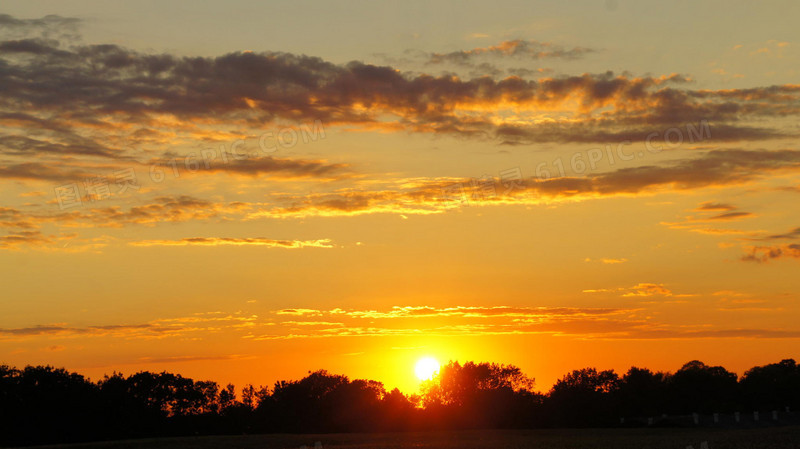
<point>283,324</point>
<point>245,241</point>
<point>522,49</point>
<point>427,196</point>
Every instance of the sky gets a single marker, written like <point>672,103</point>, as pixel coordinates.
<point>248,191</point>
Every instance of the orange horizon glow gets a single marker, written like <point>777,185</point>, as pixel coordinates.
<point>381,191</point>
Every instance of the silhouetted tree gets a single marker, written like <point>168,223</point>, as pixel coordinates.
<point>43,404</point>
<point>318,403</point>
<point>773,386</point>
<point>584,398</point>
<point>476,395</point>
<point>697,387</point>
<point>398,411</point>
<point>252,396</point>
<point>46,404</point>
<point>642,393</point>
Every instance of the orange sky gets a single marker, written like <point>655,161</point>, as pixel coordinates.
<point>525,186</point>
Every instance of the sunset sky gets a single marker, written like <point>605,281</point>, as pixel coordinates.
<point>245,191</point>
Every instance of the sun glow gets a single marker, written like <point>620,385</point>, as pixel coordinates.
<point>426,368</point>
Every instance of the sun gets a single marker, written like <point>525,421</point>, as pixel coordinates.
<point>426,368</point>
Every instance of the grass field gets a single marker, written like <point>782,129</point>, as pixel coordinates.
<point>767,438</point>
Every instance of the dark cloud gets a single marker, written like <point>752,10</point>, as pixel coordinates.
<point>147,330</point>
<point>50,26</point>
<point>710,169</point>
<point>529,50</point>
<point>731,216</point>
<point>709,206</point>
<point>764,254</point>
<point>168,208</point>
<point>793,234</point>
<point>648,334</point>
<point>436,195</point>
<point>81,83</point>
<point>17,145</point>
<point>280,167</point>
<point>163,209</point>
<point>190,358</point>
<point>39,171</point>
<point>76,171</point>
<point>37,330</point>
<point>716,167</point>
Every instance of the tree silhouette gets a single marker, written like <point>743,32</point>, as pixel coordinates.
<point>642,392</point>
<point>773,386</point>
<point>477,394</point>
<point>697,387</point>
<point>43,404</point>
<point>584,397</point>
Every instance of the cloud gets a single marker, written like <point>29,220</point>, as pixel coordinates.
<point>699,224</point>
<point>642,289</point>
<point>620,324</point>
<point>607,260</point>
<point>575,322</point>
<point>24,238</point>
<point>312,323</point>
<point>792,234</point>
<point>528,50</point>
<point>125,93</point>
<point>763,254</point>
<point>766,253</point>
<point>299,312</point>
<point>178,327</point>
<point>423,196</point>
<point>14,218</point>
<point>228,241</point>
<point>36,171</point>
<point>17,145</point>
<point>714,168</point>
<point>192,358</point>
<point>645,289</point>
<point>161,209</point>
<point>432,321</point>
<point>474,312</point>
<point>62,331</point>
<point>281,167</point>
<point>684,334</point>
<point>50,26</point>
<point>25,225</point>
<point>730,216</point>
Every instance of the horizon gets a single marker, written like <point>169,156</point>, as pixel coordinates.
<point>247,192</point>
<point>432,375</point>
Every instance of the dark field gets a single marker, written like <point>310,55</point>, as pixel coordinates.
<point>768,438</point>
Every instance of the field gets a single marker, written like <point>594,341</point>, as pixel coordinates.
<point>764,438</point>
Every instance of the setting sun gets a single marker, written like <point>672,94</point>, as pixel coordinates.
<point>426,368</point>
<point>391,218</point>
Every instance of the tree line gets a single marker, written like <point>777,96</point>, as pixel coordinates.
<point>43,404</point>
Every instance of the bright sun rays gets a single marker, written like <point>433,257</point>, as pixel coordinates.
<point>426,368</point>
